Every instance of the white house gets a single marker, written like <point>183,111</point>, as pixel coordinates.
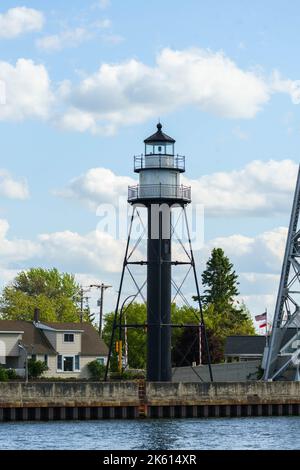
<point>66,348</point>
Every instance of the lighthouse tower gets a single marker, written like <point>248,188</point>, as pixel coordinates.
<point>159,189</point>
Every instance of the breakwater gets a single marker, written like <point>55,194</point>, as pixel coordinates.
<point>48,401</point>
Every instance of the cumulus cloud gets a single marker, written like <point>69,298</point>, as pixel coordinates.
<point>20,20</point>
<point>87,253</point>
<point>14,251</point>
<point>260,254</point>
<point>257,259</point>
<point>260,188</point>
<point>11,187</point>
<point>132,92</point>
<point>291,87</point>
<point>93,251</point>
<point>27,91</point>
<point>97,186</point>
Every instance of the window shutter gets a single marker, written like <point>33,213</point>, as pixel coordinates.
<point>59,362</point>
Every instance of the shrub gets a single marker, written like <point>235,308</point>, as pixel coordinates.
<point>3,375</point>
<point>127,375</point>
<point>11,374</point>
<point>36,368</point>
<point>96,370</point>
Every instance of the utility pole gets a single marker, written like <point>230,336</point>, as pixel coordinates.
<point>82,291</point>
<point>200,343</point>
<point>102,288</point>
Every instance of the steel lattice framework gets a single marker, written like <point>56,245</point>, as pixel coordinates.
<point>282,355</point>
<point>177,286</point>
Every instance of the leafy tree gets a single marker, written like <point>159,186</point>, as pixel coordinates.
<point>137,340</point>
<point>55,294</point>
<point>135,314</point>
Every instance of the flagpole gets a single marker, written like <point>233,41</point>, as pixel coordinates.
<point>267,340</point>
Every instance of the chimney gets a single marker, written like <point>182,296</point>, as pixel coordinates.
<point>36,315</point>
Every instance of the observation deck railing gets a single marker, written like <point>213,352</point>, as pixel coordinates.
<point>152,161</point>
<point>159,191</point>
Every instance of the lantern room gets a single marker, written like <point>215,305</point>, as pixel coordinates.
<point>159,143</point>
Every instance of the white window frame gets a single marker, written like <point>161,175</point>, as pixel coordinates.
<point>74,363</point>
<point>69,342</point>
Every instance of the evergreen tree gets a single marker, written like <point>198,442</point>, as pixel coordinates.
<point>224,315</point>
<point>220,280</point>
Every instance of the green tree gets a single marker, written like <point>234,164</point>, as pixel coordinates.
<point>220,280</point>
<point>224,315</point>
<point>137,339</point>
<point>55,294</point>
<point>135,314</point>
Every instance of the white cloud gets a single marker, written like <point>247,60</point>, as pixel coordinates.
<point>91,252</point>
<point>260,254</point>
<point>260,188</point>
<point>12,188</point>
<point>97,186</point>
<point>14,251</point>
<point>131,92</point>
<point>291,87</point>
<point>20,20</point>
<point>69,38</point>
<point>97,255</point>
<point>27,89</point>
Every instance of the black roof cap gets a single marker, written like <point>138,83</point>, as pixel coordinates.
<point>159,136</point>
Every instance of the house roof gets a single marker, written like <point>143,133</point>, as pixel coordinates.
<point>91,344</point>
<point>31,336</point>
<point>159,136</point>
<point>245,345</point>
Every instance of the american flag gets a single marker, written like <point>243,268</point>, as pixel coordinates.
<point>261,317</point>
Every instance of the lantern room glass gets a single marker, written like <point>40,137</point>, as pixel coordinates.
<point>159,148</point>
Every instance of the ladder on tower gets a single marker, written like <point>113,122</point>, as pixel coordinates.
<point>282,354</point>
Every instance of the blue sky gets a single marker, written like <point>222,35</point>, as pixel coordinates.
<point>87,81</point>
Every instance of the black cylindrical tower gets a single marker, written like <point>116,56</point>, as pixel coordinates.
<point>159,190</point>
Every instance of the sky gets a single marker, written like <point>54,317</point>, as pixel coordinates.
<point>83,83</point>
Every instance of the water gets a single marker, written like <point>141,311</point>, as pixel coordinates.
<point>164,434</point>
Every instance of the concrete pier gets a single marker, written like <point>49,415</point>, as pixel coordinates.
<point>48,401</point>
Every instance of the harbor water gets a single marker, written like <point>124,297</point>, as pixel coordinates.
<point>223,433</point>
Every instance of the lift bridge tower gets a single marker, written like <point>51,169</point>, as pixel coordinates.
<point>282,354</point>
<point>159,191</point>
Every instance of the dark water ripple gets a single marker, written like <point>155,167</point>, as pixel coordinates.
<point>224,433</point>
